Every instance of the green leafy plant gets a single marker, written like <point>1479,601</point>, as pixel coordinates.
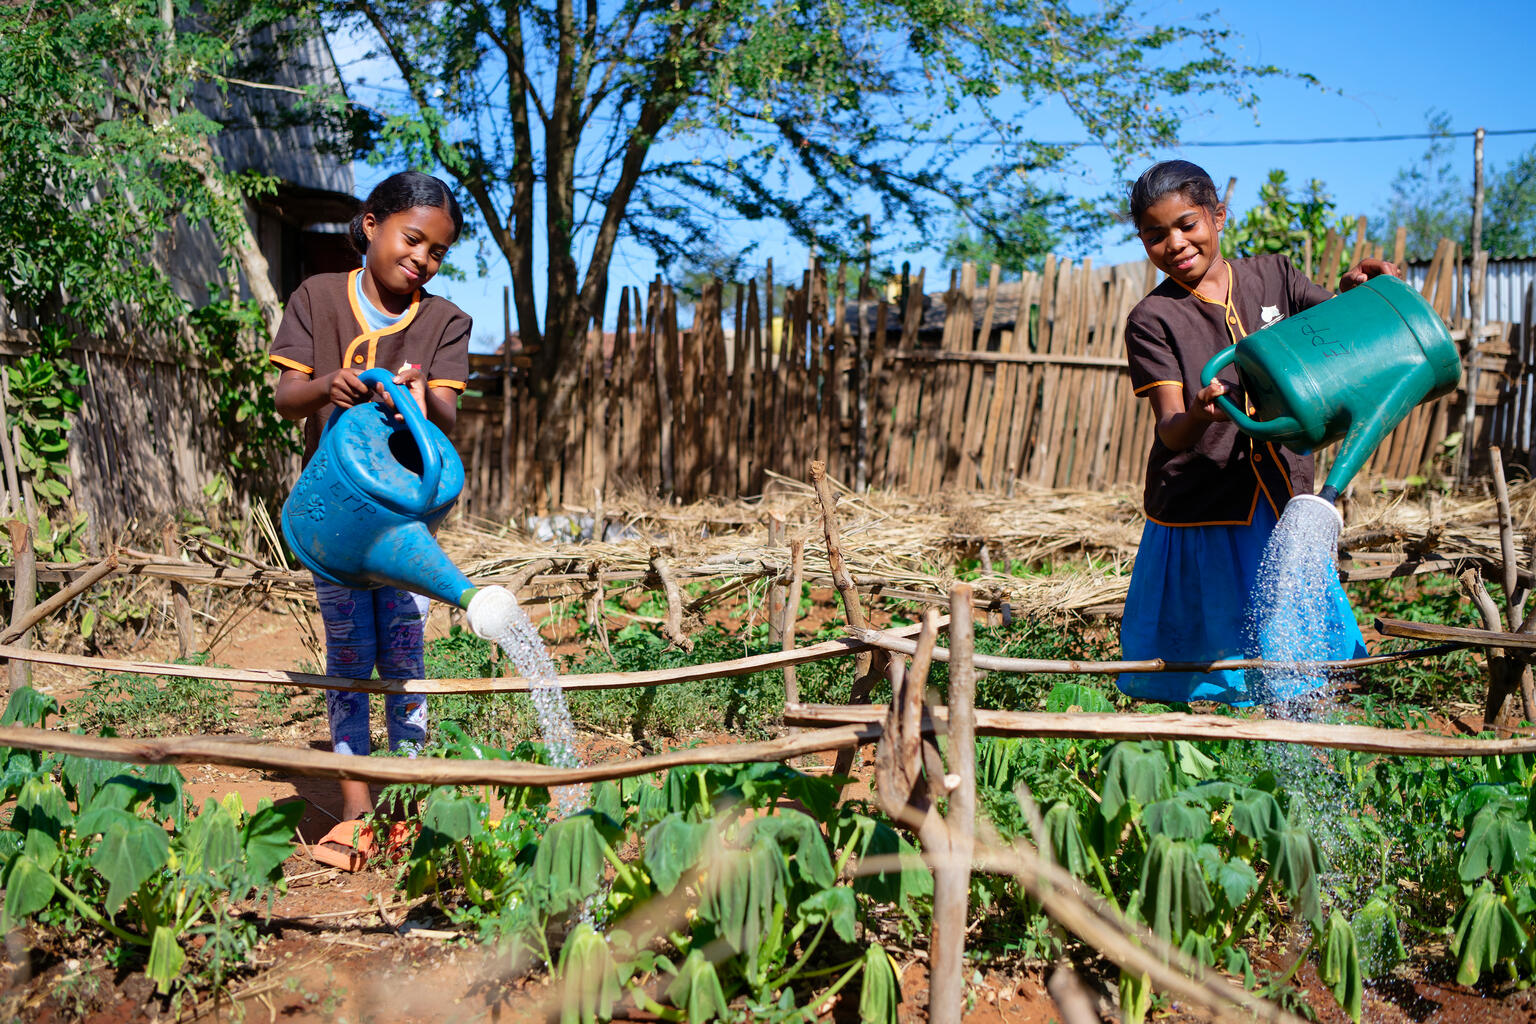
<point>144,706</point>
<point>1498,869</point>
<point>1205,863</point>
<point>1283,223</point>
<point>251,434</point>
<point>770,916</point>
<point>44,391</point>
<point>87,849</point>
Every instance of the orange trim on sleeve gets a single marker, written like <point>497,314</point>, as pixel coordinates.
<point>291,364</point>
<point>1158,384</point>
<point>457,385</point>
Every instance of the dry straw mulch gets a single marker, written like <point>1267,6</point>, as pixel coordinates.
<point>1086,539</point>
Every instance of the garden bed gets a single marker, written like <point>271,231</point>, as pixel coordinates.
<point>328,952</point>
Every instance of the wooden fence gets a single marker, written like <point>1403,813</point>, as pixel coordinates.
<point>981,387</point>
<point>144,442</point>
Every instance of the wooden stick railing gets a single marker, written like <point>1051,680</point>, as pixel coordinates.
<point>771,661</point>
<point>1461,635</point>
<point>1048,666</point>
<point>1178,726</point>
<point>434,771</point>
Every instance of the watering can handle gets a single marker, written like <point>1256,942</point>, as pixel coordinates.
<point>416,423</point>
<point>1277,429</point>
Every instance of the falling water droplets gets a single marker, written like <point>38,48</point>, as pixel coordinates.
<point>515,634</point>
<point>1290,622</point>
<point>1292,598</point>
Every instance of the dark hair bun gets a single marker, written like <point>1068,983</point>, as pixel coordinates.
<point>405,190</point>
<point>355,233</point>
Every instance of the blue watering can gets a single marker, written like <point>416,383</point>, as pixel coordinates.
<point>363,511</point>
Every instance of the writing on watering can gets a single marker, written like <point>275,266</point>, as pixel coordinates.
<point>350,501</point>
<point>426,566</point>
<point>1317,334</point>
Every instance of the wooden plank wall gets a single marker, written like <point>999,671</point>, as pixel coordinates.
<point>996,383</point>
<point>1020,381</point>
<point>1412,449</point>
<point>133,445</point>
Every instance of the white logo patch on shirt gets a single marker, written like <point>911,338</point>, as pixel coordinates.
<point>1270,314</point>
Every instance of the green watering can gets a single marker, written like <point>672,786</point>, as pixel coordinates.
<point>1346,370</point>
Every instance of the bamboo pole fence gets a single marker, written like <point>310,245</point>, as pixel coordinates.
<point>986,385</point>
<point>983,387</point>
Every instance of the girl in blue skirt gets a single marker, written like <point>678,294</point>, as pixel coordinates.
<point>1213,494</point>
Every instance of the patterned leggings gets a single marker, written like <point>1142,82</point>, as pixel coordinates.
<point>364,629</point>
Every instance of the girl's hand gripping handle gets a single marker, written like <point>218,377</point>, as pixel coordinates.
<point>416,423</point>
<point>1276,429</point>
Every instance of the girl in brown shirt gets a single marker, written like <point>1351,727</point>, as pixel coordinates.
<point>1213,494</point>
<point>335,327</point>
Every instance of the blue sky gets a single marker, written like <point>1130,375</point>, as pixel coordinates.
<point>1384,67</point>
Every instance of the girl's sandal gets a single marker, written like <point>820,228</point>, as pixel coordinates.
<point>402,836</point>
<point>347,846</point>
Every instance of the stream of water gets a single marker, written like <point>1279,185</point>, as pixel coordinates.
<point>1289,622</point>
<point>1292,600</point>
<point>501,620</point>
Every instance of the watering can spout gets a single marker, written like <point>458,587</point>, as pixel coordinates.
<point>408,557</point>
<point>1367,432</point>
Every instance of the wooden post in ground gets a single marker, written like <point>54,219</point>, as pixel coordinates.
<point>910,776</point>
<point>1509,669</point>
<point>775,588</point>
<point>24,558</point>
<point>952,870</point>
<point>791,614</point>
<point>186,636</point>
<point>868,665</point>
<point>1474,313</point>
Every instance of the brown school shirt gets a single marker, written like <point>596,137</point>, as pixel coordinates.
<point>1169,337</point>
<point>323,330</point>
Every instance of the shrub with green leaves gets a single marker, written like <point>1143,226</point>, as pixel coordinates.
<point>732,896</point>
<point>137,705</point>
<point>1207,864</point>
<point>87,850</point>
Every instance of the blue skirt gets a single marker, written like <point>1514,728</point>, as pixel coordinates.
<point>1190,599</point>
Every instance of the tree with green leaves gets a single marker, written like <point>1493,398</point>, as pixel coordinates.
<point>572,125</point>
<point>1428,198</point>
<point>1433,202</point>
<point>1283,222</point>
<point>1014,235</point>
<point>102,156</point>
<point>1509,215</point>
<point>100,160</point>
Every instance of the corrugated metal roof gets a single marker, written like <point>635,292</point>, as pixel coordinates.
<point>1507,292</point>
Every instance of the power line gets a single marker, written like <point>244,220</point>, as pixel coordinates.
<point>1178,144</point>
<point>1351,138</point>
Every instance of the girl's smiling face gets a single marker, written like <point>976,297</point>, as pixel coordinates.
<point>1182,237</point>
<point>405,250</point>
